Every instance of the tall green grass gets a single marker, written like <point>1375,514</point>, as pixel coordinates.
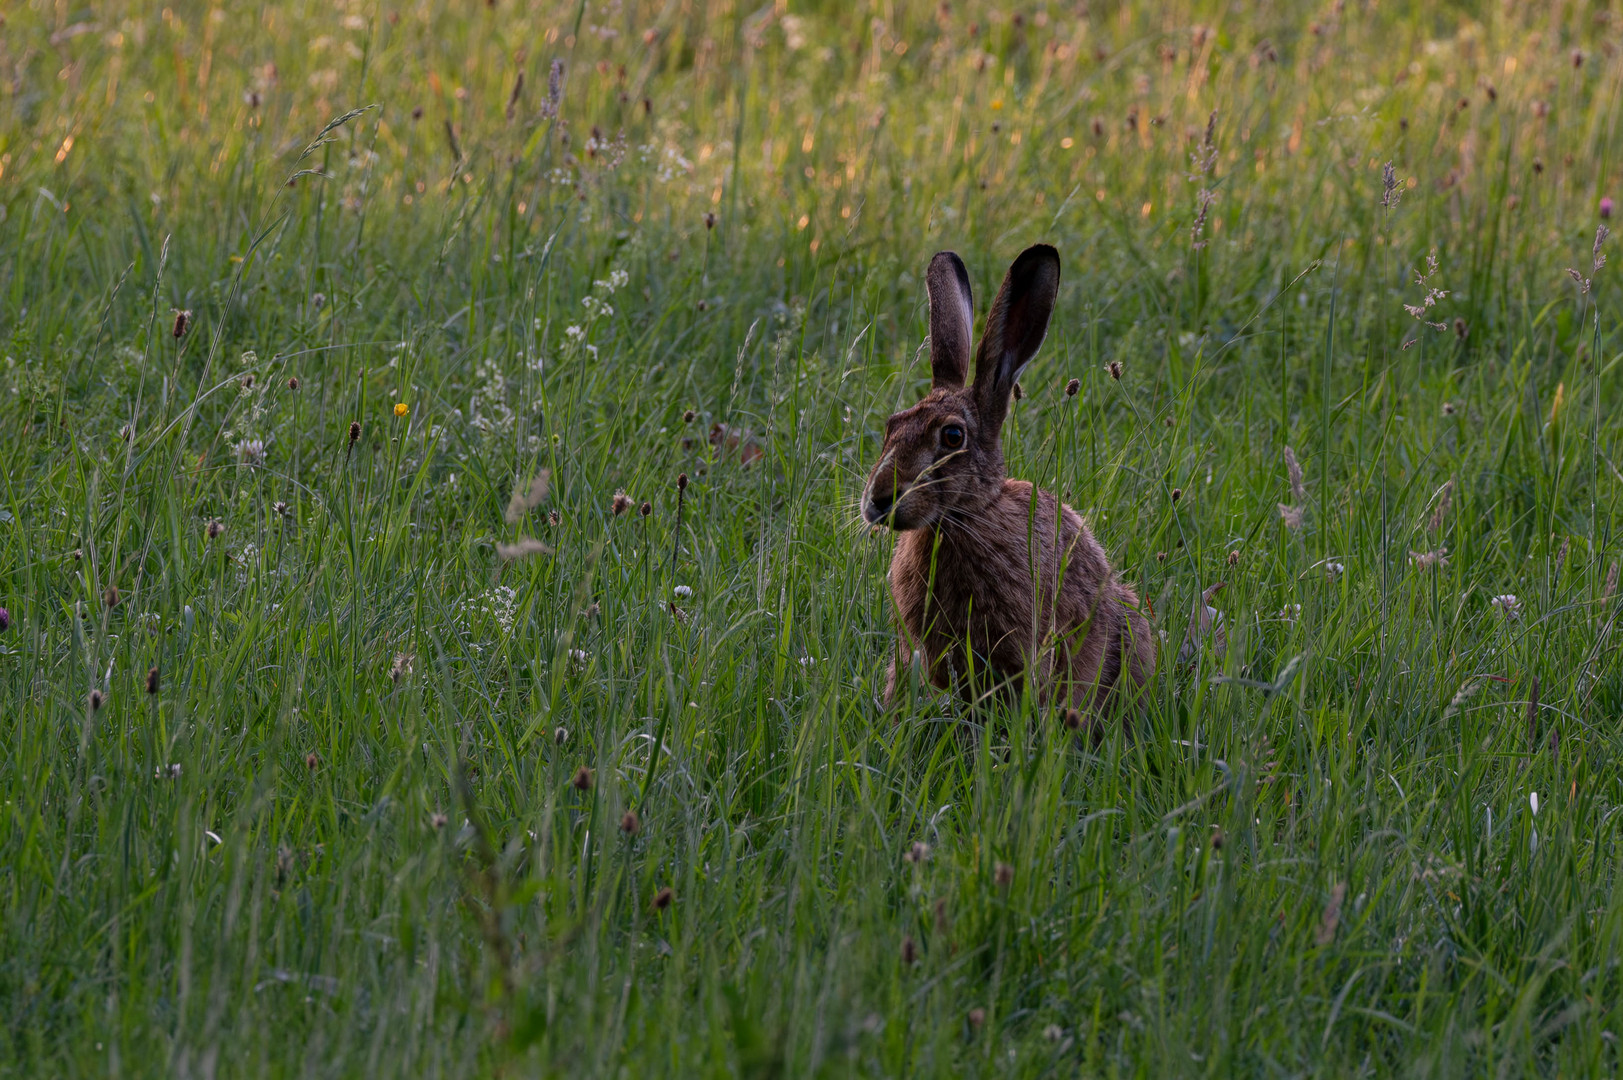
<point>348,833</point>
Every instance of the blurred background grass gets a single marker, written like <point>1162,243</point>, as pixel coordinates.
<point>292,754</point>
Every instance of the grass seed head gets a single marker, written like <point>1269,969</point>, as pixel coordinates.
<point>354,431</point>
<point>1003,874</point>
<point>183,323</point>
<point>110,596</point>
<point>646,508</point>
<point>583,779</point>
<point>663,898</point>
<point>621,503</point>
<point>215,529</point>
<point>312,761</point>
<point>1072,387</point>
<point>154,680</point>
<point>630,823</point>
<point>97,700</point>
<point>292,382</point>
<point>910,951</point>
<point>1114,367</point>
<point>438,820</point>
<point>977,1017</point>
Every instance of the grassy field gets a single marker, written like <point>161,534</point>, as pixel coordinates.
<point>332,745</point>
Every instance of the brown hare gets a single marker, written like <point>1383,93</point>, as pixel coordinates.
<point>987,586</point>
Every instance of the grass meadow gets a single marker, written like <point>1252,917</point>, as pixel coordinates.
<point>332,744</point>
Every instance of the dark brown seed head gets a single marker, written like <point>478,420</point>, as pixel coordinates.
<point>630,823</point>
<point>97,699</point>
<point>417,113</point>
<point>622,502</point>
<point>216,529</point>
<point>583,779</point>
<point>1234,558</point>
<point>354,431</point>
<point>1019,391</point>
<point>311,760</point>
<point>110,596</point>
<point>1160,556</point>
<point>663,898</point>
<point>709,220</point>
<point>687,417</point>
<point>1072,387</point>
<point>1177,493</point>
<point>183,322</point>
<point>1217,840</point>
<point>977,1017</point>
<point>910,951</point>
<point>682,482</point>
<point>153,679</point>
<point>1460,329</point>
<point>292,382</point>
<point>248,381</point>
<point>1003,874</point>
<point>1115,369</point>
<point>646,508</point>
<point>560,736</point>
<point>1403,123</point>
<point>553,518</point>
<point>1073,720</point>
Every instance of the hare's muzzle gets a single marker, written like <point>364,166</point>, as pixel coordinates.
<point>878,503</point>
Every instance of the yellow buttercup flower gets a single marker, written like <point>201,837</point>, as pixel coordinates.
<point>402,409</point>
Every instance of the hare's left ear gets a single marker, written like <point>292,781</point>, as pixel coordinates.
<point>1015,328</point>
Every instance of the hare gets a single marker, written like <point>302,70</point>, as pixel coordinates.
<point>986,584</point>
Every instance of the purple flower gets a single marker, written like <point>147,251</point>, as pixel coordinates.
<point>1606,207</point>
<point>5,619</point>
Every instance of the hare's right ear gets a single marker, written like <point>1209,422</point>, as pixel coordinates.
<point>951,318</point>
<point>1015,328</point>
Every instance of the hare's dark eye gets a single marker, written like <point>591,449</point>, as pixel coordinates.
<point>952,436</point>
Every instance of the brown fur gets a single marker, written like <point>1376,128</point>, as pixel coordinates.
<point>988,585</point>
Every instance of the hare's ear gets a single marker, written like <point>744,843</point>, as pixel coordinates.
<point>1015,328</point>
<point>951,319</point>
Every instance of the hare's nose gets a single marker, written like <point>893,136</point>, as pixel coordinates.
<point>880,501</point>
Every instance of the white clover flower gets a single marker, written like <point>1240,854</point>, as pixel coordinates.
<point>251,451</point>
<point>1509,606</point>
<point>684,591</point>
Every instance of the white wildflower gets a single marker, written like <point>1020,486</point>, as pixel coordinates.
<point>1509,606</point>
<point>684,591</point>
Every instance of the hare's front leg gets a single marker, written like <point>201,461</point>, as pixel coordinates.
<point>900,657</point>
